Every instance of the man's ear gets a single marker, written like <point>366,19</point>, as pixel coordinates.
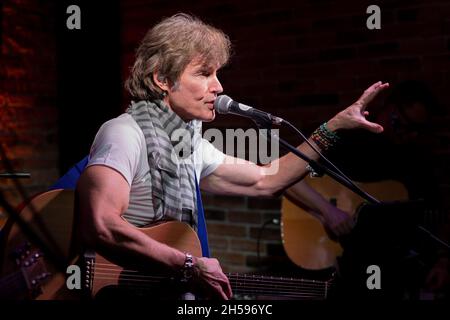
<point>161,81</point>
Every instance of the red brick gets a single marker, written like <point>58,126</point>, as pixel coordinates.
<point>222,229</point>
<point>264,203</point>
<point>240,245</point>
<point>229,258</point>
<point>218,243</point>
<point>269,233</point>
<point>245,217</point>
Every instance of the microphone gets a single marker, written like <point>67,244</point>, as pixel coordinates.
<point>224,104</point>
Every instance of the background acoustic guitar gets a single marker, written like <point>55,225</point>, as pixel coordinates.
<point>52,210</point>
<point>304,238</point>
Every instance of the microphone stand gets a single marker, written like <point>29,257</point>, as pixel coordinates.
<point>14,175</point>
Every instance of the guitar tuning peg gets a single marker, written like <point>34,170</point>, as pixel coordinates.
<point>26,246</point>
<point>42,276</point>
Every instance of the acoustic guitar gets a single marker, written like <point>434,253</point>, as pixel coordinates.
<point>54,211</point>
<point>304,238</point>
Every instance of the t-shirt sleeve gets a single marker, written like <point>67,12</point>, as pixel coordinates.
<point>212,158</point>
<point>116,145</point>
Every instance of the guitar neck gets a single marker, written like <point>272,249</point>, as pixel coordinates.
<point>278,287</point>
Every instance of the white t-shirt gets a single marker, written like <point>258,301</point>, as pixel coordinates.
<point>120,144</point>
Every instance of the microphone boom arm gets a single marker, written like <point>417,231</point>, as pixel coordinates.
<point>316,166</point>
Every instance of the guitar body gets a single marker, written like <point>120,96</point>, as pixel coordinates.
<point>107,274</point>
<point>54,211</point>
<point>305,240</point>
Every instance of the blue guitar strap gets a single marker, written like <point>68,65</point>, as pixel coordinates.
<point>201,230</point>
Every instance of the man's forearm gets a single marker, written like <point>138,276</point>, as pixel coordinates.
<point>127,246</point>
<point>289,168</point>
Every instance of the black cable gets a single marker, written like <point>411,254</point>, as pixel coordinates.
<point>434,237</point>
<point>274,221</point>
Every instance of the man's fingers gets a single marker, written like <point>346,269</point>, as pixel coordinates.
<point>371,93</point>
<point>228,290</point>
<point>222,287</point>
<point>371,126</point>
<point>217,289</point>
<point>223,290</point>
<point>225,287</point>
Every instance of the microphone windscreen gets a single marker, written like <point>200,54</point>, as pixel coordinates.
<point>222,104</point>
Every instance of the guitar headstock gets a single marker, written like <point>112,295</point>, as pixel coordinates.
<point>32,268</point>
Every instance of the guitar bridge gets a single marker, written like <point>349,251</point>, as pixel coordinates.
<point>89,268</point>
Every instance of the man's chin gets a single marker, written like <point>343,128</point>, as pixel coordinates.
<point>211,117</point>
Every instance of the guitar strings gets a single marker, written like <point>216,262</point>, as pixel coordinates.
<point>249,290</point>
<point>250,282</point>
<point>260,280</point>
<point>131,274</point>
<point>107,266</point>
<point>237,283</point>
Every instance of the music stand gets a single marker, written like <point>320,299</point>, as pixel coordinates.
<point>387,225</point>
<point>385,235</point>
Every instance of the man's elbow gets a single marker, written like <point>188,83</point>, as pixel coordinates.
<point>265,189</point>
<point>93,231</point>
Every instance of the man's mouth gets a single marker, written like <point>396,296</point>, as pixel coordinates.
<point>210,105</point>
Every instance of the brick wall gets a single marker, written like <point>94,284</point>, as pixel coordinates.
<point>28,115</point>
<point>305,61</point>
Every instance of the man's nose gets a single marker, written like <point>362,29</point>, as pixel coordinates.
<point>216,86</point>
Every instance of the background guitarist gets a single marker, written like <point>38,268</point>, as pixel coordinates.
<point>403,152</point>
<point>137,172</point>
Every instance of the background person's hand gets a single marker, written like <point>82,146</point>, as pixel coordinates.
<point>337,222</point>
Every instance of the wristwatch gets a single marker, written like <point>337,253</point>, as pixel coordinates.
<point>188,267</point>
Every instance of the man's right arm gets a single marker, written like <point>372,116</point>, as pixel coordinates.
<point>102,196</point>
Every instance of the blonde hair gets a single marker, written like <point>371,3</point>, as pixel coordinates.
<point>169,47</point>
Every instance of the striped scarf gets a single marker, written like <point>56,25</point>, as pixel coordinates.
<point>170,145</point>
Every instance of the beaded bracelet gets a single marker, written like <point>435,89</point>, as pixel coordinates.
<point>324,138</point>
